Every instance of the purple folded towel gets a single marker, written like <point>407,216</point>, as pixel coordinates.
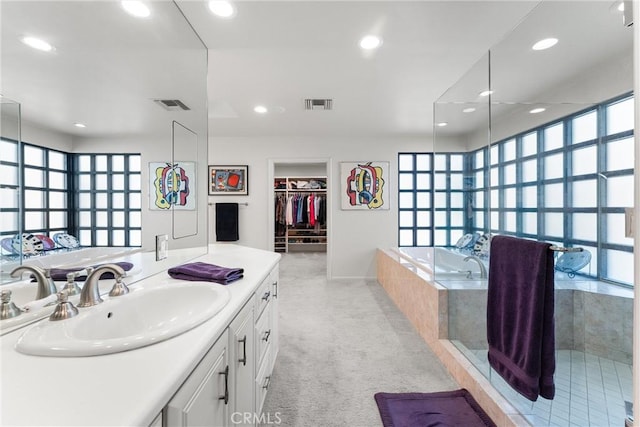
<point>520,309</point>
<point>61,273</point>
<point>201,271</point>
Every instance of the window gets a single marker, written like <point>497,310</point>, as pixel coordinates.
<point>108,199</point>
<point>96,197</point>
<point>415,199</point>
<point>566,182</point>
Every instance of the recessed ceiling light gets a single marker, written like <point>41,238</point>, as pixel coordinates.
<point>370,42</point>
<point>486,93</point>
<point>136,8</point>
<point>537,110</point>
<point>469,110</point>
<point>37,44</point>
<point>442,124</point>
<point>260,109</point>
<point>80,125</point>
<point>223,9</point>
<point>621,6</point>
<point>545,44</point>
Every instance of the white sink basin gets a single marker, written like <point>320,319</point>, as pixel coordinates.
<point>140,318</point>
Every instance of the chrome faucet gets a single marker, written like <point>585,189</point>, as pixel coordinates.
<point>46,286</point>
<point>483,269</point>
<point>90,294</point>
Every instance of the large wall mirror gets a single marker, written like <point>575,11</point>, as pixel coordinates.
<point>97,111</point>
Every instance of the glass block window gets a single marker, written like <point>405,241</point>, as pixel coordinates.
<point>45,190</point>
<point>415,198</point>
<point>566,182</point>
<point>95,197</point>
<point>108,199</point>
<point>572,180</point>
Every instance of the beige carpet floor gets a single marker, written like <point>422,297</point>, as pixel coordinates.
<point>341,341</point>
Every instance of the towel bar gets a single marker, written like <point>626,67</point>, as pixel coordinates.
<point>241,204</point>
<point>561,249</point>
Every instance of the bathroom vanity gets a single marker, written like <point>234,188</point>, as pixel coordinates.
<point>214,374</point>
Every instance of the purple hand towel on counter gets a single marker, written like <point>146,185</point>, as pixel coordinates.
<point>520,309</point>
<point>201,271</point>
<point>61,273</point>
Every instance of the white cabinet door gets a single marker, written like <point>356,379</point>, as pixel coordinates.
<point>243,363</point>
<point>204,397</point>
<point>275,344</point>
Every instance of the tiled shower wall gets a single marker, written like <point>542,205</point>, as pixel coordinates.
<point>593,323</point>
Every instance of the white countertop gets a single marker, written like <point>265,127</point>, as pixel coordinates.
<point>128,388</point>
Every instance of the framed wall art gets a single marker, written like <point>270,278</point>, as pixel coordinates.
<point>171,185</point>
<point>228,180</point>
<point>363,185</point>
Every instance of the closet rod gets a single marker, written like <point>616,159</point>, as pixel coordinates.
<point>243,204</point>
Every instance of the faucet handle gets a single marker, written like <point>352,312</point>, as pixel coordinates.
<point>7,308</point>
<point>119,288</point>
<point>71,287</point>
<point>64,309</point>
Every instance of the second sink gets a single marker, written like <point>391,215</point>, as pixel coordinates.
<point>143,317</point>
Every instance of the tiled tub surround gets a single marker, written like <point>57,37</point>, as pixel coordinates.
<point>591,318</point>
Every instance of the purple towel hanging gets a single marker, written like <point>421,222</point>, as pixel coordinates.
<point>520,310</point>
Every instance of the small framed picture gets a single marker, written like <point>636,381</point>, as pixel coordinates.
<point>232,180</point>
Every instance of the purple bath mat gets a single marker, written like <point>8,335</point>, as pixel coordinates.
<point>446,408</point>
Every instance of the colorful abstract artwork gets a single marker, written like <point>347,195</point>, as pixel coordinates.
<point>363,185</point>
<point>228,180</point>
<point>171,185</point>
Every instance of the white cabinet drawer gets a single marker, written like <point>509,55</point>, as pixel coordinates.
<point>264,334</point>
<point>263,295</point>
<point>262,384</point>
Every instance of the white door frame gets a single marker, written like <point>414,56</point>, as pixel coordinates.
<point>271,196</point>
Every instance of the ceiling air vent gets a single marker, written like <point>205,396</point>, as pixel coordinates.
<point>171,104</point>
<point>318,104</point>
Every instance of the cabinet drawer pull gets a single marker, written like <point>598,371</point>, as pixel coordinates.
<point>225,397</point>
<point>266,335</point>
<point>266,295</point>
<point>243,360</point>
<point>267,380</point>
<point>275,289</point>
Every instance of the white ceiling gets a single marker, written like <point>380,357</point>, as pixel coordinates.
<point>277,53</point>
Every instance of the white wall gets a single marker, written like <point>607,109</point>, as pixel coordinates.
<point>36,135</point>
<point>353,235</point>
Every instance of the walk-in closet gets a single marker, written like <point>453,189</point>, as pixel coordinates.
<point>301,214</point>
<point>300,203</point>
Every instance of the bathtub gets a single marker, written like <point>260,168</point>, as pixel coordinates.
<point>445,264</point>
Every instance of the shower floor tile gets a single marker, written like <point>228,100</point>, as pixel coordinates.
<point>590,390</point>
